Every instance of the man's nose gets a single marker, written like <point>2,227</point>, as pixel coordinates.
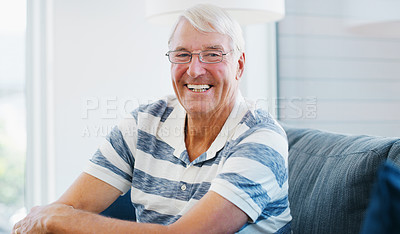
<point>195,68</point>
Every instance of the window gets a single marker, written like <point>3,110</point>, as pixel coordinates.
<point>12,112</point>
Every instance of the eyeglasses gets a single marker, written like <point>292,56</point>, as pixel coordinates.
<point>207,56</point>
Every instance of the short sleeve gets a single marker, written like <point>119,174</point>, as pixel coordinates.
<point>254,176</point>
<point>113,162</point>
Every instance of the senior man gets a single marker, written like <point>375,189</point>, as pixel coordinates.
<point>203,161</point>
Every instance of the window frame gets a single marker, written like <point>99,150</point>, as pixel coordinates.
<point>40,158</point>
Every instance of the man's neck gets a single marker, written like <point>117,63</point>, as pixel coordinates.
<point>201,131</point>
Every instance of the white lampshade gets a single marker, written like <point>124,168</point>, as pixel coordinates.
<point>244,11</point>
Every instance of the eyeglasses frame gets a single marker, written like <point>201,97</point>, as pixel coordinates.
<point>200,57</point>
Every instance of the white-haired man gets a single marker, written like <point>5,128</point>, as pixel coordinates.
<point>202,161</point>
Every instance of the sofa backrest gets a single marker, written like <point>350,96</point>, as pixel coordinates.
<point>331,177</point>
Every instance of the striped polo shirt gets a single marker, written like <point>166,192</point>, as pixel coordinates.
<point>246,164</point>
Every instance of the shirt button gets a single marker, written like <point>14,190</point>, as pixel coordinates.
<point>183,187</point>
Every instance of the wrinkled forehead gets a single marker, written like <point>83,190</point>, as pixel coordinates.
<point>187,37</point>
<point>202,47</point>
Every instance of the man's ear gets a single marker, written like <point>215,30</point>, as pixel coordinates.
<point>240,66</point>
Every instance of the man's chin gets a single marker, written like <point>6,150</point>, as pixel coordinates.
<point>202,110</point>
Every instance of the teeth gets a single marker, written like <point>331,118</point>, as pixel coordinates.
<point>198,88</point>
<point>190,86</point>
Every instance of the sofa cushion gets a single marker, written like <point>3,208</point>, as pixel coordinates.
<point>331,177</point>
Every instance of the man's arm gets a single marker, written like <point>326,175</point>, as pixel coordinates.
<point>90,194</point>
<point>212,214</point>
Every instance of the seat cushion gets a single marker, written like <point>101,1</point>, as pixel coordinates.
<point>122,208</point>
<point>331,177</point>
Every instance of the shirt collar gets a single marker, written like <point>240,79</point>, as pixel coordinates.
<point>239,110</point>
<point>172,131</point>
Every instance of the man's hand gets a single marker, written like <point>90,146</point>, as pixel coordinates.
<point>37,220</point>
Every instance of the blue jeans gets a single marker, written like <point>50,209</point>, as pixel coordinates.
<point>383,213</point>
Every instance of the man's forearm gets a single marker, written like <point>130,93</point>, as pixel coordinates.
<point>78,221</point>
<point>212,214</point>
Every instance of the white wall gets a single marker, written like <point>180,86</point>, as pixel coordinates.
<point>335,77</point>
<point>95,53</point>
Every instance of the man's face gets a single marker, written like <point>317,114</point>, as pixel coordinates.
<point>205,89</point>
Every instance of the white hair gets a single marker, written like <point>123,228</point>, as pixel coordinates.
<point>210,18</point>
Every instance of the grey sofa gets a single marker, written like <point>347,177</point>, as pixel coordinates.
<point>330,179</point>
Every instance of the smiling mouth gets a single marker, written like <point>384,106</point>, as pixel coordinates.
<point>198,88</point>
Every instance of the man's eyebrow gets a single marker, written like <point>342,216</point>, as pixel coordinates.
<point>214,47</point>
<point>180,48</point>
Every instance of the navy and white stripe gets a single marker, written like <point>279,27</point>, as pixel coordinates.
<point>246,164</point>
